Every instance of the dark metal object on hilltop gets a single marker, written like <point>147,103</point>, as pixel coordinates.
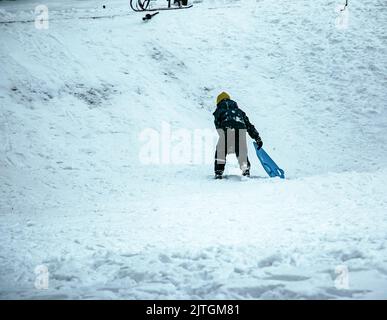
<point>145,5</point>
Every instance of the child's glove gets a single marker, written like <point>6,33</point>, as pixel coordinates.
<point>259,143</point>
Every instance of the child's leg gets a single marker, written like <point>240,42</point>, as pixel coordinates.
<point>220,153</point>
<point>241,151</point>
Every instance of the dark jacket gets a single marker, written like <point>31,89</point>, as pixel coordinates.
<point>229,116</point>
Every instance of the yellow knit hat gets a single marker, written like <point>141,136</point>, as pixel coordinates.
<point>222,96</point>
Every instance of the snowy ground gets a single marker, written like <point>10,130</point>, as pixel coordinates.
<point>76,198</point>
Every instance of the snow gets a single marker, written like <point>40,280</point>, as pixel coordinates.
<point>77,199</point>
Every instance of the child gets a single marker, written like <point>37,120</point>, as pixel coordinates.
<point>232,125</point>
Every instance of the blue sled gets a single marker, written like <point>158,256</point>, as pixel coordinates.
<point>268,164</point>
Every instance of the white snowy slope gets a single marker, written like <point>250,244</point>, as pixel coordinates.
<point>75,197</point>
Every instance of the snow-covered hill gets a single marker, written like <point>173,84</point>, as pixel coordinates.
<point>76,98</point>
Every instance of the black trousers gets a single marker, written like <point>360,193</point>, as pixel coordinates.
<point>231,141</point>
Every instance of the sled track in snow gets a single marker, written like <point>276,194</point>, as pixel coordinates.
<point>69,18</point>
